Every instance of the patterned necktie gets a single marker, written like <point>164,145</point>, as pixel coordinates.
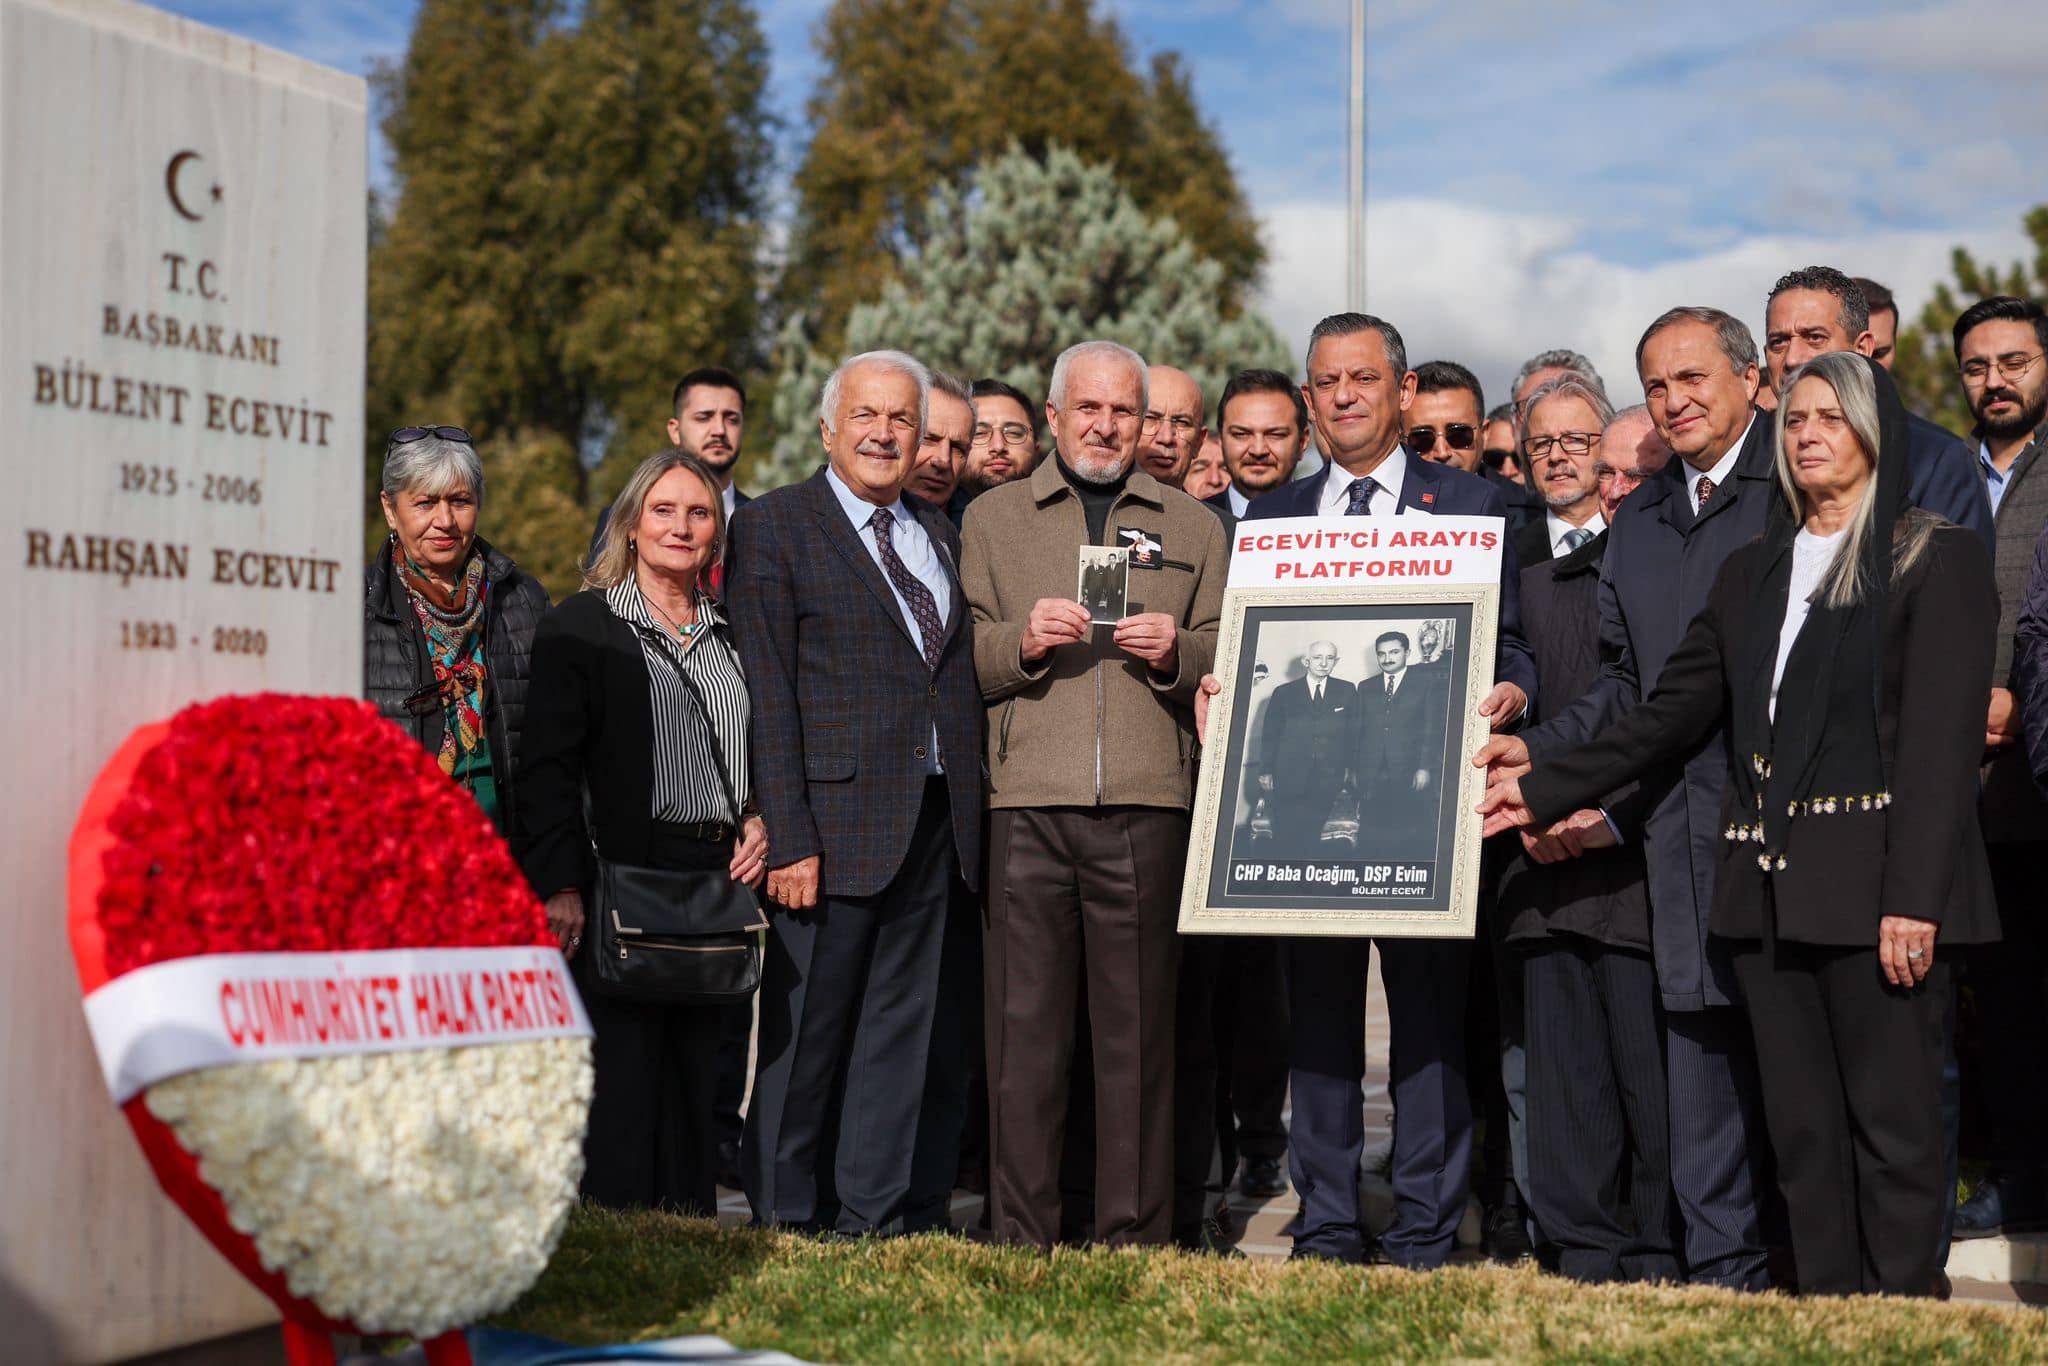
<point>1705,490</point>
<point>922,605</point>
<point>1390,685</point>
<point>1361,492</point>
<point>1575,538</point>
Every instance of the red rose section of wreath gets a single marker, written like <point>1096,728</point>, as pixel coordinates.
<point>299,824</point>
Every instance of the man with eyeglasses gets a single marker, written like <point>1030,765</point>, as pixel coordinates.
<point>1819,309</point>
<point>1630,451</point>
<point>1564,418</point>
<point>1006,437</point>
<point>1444,425</point>
<point>1999,346</point>
<point>1264,424</point>
<point>1173,429</point>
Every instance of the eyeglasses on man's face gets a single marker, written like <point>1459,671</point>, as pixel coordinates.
<point>1182,424</point>
<point>1571,443</point>
<point>1011,433</point>
<point>2011,365</point>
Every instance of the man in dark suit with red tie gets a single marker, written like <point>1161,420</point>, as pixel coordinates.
<point>1358,389</point>
<point>846,605</point>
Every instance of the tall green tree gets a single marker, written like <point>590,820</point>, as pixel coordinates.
<point>915,94</point>
<point>578,218</point>
<point>1925,360</point>
<point>1030,257</point>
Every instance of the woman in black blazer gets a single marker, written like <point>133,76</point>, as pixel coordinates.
<point>1854,713</point>
<point>617,752</point>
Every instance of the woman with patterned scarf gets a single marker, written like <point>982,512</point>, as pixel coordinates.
<point>448,622</point>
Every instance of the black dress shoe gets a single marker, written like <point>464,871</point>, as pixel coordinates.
<point>1207,1239</point>
<point>1505,1235</point>
<point>1262,1178</point>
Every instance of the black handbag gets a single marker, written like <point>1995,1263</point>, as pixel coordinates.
<point>672,936</point>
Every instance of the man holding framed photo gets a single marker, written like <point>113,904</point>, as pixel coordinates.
<point>1358,390</point>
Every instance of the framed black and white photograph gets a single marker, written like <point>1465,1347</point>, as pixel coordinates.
<point>1104,580</point>
<point>1335,796</point>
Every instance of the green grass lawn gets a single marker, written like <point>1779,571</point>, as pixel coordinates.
<point>624,1277</point>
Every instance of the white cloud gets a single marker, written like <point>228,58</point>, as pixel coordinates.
<point>1489,289</point>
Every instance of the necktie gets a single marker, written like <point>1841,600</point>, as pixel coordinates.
<point>1315,692</point>
<point>1705,490</point>
<point>1361,492</point>
<point>922,605</point>
<point>1575,538</point>
<point>1390,685</point>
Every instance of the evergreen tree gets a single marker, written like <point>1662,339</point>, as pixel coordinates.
<point>1925,359</point>
<point>1033,256</point>
<point>577,221</point>
<point>915,94</point>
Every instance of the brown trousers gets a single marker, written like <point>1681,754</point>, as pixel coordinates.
<point>1082,894</point>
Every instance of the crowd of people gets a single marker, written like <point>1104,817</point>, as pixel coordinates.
<point>1769,717</point>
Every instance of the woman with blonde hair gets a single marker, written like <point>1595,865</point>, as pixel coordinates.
<point>636,754</point>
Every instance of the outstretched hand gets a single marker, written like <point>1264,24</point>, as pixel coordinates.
<point>1503,807</point>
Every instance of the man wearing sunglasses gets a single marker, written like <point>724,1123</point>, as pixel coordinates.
<point>1444,425</point>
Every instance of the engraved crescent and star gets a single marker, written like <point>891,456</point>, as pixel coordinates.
<point>177,164</point>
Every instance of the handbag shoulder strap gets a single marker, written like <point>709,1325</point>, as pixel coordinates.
<point>732,803</point>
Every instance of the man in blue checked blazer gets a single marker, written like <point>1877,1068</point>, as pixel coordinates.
<point>1359,385</point>
<point>846,605</point>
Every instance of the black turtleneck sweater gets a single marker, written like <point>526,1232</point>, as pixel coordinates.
<point>1096,499</point>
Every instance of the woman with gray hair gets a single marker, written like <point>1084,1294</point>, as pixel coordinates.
<point>448,622</point>
<point>1844,655</point>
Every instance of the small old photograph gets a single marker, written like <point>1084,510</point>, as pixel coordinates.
<point>1104,579</point>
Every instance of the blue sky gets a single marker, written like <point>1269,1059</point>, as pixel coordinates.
<point>1545,174</point>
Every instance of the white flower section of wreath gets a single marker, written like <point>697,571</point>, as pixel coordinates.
<point>407,1192</point>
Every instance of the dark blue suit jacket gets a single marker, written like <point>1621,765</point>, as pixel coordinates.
<point>844,704</point>
<point>1452,493</point>
<point>1942,477</point>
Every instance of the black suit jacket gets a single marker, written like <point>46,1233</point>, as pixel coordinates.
<point>844,704</point>
<point>1306,744</point>
<point>1532,543</point>
<point>1395,737</point>
<point>1863,831</point>
<point>588,721</point>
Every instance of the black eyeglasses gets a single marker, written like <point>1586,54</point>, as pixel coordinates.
<point>1497,458</point>
<point>1571,443</point>
<point>405,436</point>
<point>1459,436</point>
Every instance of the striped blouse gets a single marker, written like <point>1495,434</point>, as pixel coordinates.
<point>687,787</point>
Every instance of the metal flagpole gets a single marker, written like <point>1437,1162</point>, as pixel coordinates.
<point>1355,262</point>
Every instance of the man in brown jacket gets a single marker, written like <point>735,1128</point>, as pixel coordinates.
<point>1091,739</point>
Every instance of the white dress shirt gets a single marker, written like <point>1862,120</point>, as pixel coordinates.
<point>1723,471</point>
<point>1559,528</point>
<point>1386,499</point>
<point>1811,556</point>
<point>1238,502</point>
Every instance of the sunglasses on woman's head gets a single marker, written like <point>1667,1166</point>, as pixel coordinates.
<point>405,436</point>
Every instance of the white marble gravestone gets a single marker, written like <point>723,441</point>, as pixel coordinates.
<point>182,236</point>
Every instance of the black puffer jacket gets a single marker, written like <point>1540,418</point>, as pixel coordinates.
<point>395,663</point>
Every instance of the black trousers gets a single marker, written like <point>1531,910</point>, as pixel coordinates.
<point>1082,898</point>
<point>1599,1126</point>
<point>848,993</point>
<point>652,1139</point>
<point>2009,980</point>
<point>735,1039</point>
<point>955,1047</point>
<point>1851,1072</point>
<point>1252,1043</point>
<point>1195,1075</point>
